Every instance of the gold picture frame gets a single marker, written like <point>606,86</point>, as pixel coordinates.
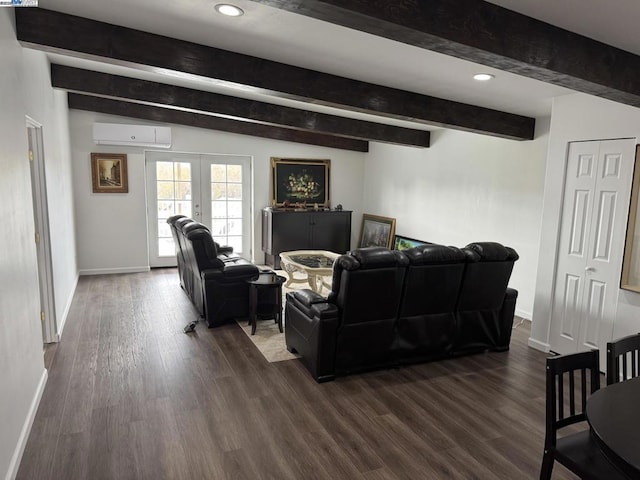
<point>109,173</point>
<point>377,231</point>
<point>630,278</point>
<point>300,182</point>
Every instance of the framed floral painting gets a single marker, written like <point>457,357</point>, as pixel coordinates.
<point>299,182</point>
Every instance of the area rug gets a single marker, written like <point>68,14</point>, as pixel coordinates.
<point>268,339</point>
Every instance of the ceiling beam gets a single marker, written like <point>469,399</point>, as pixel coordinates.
<point>167,115</point>
<point>487,34</point>
<point>58,32</point>
<point>130,89</point>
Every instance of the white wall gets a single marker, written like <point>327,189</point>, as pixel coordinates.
<point>25,90</point>
<point>111,229</point>
<point>574,118</point>
<point>465,188</point>
<point>49,108</point>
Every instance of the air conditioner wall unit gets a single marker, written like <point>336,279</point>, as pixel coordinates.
<point>131,135</point>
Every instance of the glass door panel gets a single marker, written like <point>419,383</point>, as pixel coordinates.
<point>172,182</point>
<point>173,197</point>
<point>226,205</point>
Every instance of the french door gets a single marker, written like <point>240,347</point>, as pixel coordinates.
<point>212,189</point>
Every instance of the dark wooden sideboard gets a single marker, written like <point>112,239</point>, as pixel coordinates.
<point>285,230</point>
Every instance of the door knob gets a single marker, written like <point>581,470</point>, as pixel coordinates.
<point>589,269</point>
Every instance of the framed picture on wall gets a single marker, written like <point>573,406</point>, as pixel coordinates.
<point>109,173</point>
<point>298,181</point>
<point>377,231</point>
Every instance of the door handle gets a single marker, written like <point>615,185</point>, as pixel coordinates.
<point>589,269</point>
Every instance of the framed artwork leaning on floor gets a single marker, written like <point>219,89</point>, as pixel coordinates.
<point>377,231</point>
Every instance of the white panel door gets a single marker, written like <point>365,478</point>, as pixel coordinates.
<point>596,201</point>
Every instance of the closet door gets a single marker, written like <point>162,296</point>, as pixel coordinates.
<point>596,201</point>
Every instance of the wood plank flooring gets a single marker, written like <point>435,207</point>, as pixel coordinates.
<point>130,396</point>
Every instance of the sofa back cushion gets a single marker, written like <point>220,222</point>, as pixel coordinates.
<point>201,255</point>
<point>426,322</point>
<point>480,321</point>
<point>489,267</point>
<point>367,289</point>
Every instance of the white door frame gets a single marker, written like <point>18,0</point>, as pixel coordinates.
<point>42,234</point>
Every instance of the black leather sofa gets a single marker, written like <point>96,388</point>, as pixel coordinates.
<point>214,278</point>
<point>387,308</point>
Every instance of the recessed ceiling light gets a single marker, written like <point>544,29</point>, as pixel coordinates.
<point>229,10</point>
<point>483,77</point>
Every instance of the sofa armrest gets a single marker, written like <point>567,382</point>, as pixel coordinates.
<point>231,272</point>
<point>223,249</point>
<point>311,326</point>
<point>506,318</point>
<point>307,297</point>
<point>226,292</point>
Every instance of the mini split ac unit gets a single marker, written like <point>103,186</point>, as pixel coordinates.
<point>132,135</point>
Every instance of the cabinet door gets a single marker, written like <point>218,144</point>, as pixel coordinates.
<point>291,231</point>
<point>331,231</point>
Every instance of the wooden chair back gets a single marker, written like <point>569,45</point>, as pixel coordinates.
<point>623,359</point>
<point>571,379</point>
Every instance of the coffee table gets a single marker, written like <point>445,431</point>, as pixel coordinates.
<point>314,264</point>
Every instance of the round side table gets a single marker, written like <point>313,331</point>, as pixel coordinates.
<point>265,299</point>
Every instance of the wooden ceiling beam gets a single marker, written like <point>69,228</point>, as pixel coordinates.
<point>484,33</point>
<point>181,117</point>
<point>142,91</point>
<point>58,32</point>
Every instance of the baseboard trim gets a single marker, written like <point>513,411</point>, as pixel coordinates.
<point>538,345</point>
<point>14,465</point>
<point>524,314</point>
<point>109,271</point>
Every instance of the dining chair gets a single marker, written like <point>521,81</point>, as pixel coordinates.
<point>623,357</point>
<point>571,379</point>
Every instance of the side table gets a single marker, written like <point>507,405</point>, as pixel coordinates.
<point>265,299</point>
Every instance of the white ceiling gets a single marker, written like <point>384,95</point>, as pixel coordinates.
<point>297,40</point>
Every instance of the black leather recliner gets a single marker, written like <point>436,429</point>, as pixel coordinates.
<point>221,291</point>
<point>352,329</point>
<point>391,308</point>
<point>214,278</point>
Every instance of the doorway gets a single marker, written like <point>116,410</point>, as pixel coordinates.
<point>212,189</point>
<point>592,232</point>
<point>42,238</point>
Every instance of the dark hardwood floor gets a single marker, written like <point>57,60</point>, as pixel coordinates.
<point>130,396</point>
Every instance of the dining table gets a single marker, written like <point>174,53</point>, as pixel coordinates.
<point>613,413</point>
